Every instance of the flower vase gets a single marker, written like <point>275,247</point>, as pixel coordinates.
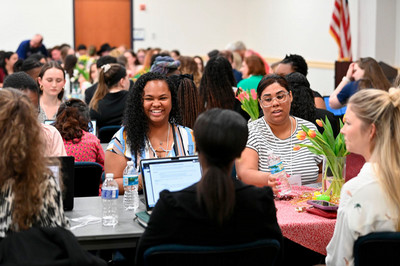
<point>333,175</point>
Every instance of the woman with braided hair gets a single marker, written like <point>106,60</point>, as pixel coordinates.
<point>108,102</point>
<point>370,202</point>
<point>151,127</point>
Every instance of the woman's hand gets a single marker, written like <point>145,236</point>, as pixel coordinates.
<point>273,182</point>
<point>350,71</point>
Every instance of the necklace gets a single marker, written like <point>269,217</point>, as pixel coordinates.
<point>161,147</point>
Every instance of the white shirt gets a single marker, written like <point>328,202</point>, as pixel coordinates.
<point>363,209</point>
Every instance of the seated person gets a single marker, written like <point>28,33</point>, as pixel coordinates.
<point>370,202</point>
<point>303,105</point>
<point>30,193</point>
<point>151,127</point>
<point>108,102</point>
<point>296,63</point>
<point>276,131</point>
<point>253,70</point>
<point>54,145</point>
<point>218,210</point>
<point>365,73</point>
<point>72,121</point>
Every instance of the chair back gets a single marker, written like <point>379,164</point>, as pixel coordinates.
<point>87,179</point>
<point>106,133</point>
<point>261,252</point>
<point>377,249</point>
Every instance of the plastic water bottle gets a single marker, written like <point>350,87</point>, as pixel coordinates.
<point>109,196</point>
<point>131,183</point>
<point>278,170</point>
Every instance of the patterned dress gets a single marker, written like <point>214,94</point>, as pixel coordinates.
<point>88,149</point>
<point>51,213</point>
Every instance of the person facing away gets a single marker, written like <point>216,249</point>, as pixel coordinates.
<point>72,121</point>
<point>30,193</point>
<point>370,202</point>
<point>32,46</point>
<point>218,210</point>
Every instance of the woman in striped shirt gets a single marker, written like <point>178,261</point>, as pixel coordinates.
<point>276,131</point>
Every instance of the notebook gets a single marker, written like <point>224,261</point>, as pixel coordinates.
<point>67,164</point>
<point>92,125</point>
<point>171,173</point>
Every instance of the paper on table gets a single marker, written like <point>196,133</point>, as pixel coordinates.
<point>85,220</point>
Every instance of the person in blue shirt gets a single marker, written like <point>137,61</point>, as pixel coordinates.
<point>32,46</point>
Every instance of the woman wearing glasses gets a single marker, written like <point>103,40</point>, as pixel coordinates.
<point>276,131</point>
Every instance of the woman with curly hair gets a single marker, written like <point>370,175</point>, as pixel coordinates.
<point>303,104</point>
<point>30,194</point>
<point>151,127</point>
<point>73,123</point>
<point>108,102</point>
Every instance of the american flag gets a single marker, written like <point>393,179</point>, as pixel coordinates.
<point>340,29</point>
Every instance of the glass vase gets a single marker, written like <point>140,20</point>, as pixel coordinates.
<point>333,175</point>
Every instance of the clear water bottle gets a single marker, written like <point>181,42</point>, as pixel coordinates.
<point>278,170</point>
<point>109,197</point>
<point>131,184</point>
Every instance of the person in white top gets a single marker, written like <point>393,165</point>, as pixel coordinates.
<point>370,202</point>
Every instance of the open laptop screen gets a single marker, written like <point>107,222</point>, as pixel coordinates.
<point>173,174</point>
<point>92,126</point>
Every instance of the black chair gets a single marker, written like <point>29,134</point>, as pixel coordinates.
<point>87,179</point>
<point>106,133</point>
<point>377,249</point>
<point>261,252</point>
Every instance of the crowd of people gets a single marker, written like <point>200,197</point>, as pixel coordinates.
<point>167,105</point>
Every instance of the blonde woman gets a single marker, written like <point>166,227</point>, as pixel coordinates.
<point>369,202</point>
<point>108,102</point>
<point>30,194</point>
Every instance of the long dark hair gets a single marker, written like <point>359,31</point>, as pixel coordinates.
<point>221,136</point>
<point>303,104</point>
<point>216,84</point>
<point>373,75</point>
<point>271,79</point>
<point>72,117</point>
<point>135,120</point>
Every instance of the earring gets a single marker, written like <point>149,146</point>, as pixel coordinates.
<point>41,87</point>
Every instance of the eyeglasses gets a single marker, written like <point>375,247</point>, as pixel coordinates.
<point>280,98</point>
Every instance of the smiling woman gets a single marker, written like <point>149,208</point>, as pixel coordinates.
<point>276,131</point>
<point>151,127</point>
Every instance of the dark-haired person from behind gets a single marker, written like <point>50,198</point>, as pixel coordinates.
<point>72,121</point>
<point>218,210</point>
<point>296,63</point>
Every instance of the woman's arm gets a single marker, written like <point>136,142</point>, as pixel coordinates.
<point>115,164</point>
<point>333,100</point>
<point>247,171</point>
<point>319,103</point>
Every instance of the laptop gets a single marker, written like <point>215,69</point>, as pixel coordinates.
<point>171,173</point>
<point>66,169</point>
<point>92,125</point>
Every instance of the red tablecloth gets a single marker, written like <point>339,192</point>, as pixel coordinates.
<point>311,231</point>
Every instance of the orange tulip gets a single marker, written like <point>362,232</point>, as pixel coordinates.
<point>311,133</point>
<point>301,135</point>
<point>319,123</point>
<point>296,147</point>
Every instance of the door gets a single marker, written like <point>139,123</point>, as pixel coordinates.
<point>103,21</point>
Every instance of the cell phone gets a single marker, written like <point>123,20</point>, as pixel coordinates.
<point>323,205</point>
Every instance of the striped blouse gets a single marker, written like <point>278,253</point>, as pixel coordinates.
<point>184,137</point>
<point>302,162</point>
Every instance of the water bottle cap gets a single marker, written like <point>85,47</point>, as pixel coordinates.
<point>130,163</point>
<point>109,175</point>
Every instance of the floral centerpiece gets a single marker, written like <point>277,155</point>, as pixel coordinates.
<point>82,66</point>
<point>249,102</point>
<point>334,150</point>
